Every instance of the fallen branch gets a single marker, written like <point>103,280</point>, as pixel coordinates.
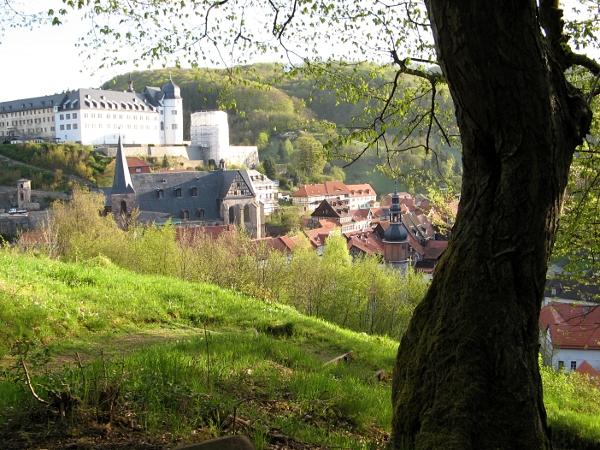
<point>30,386</point>
<point>345,357</point>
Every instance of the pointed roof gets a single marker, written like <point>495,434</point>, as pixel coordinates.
<point>122,183</point>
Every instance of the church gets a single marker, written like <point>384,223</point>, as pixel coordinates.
<point>187,199</point>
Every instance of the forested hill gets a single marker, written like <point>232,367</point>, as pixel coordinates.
<point>259,98</point>
<point>271,109</point>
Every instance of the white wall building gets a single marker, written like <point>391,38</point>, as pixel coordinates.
<point>97,116</point>
<point>266,190</point>
<point>570,335</point>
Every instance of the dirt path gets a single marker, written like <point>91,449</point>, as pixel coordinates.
<point>108,346</point>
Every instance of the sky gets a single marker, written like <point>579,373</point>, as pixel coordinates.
<point>45,60</point>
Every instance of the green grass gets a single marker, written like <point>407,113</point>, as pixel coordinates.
<point>184,356</point>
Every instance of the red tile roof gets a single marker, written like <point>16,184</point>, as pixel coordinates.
<point>586,369</point>
<point>367,242</point>
<point>572,325</point>
<point>282,243</point>
<point>189,235</point>
<point>327,188</point>
<point>360,190</point>
<point>136,162</point>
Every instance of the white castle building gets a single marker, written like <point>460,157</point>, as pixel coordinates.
<point>98,116</point>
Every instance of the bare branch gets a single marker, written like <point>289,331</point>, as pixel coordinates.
<point>30,386</point>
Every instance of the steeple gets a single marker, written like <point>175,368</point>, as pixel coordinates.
<point>131,84</point>
<point>122,181</point>
<point>396,231</point>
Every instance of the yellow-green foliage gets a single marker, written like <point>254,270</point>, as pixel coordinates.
<point>361,294</point>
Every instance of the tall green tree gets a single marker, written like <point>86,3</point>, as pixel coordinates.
<point>308,158</point>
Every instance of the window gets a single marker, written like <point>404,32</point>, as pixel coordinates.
<point>174,112</point>
<point>174,126</point>
<point>160,193</point>
<point>74,115</point>
<point>74,126</point>
<point>185,214</point>
<point>68,126</point>
<point>200,213</point>
<point>62,127</point>
<point>573,365</point>
<point>561,365</point>
<point>194,192</point>
<point>178,192</point>
<point>62,117</point>
<point>68,116</point>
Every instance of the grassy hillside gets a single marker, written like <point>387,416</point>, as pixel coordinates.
<point>162,361</point>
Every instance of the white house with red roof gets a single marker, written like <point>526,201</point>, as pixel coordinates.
<point>309,196</point>
<point>570,336</point>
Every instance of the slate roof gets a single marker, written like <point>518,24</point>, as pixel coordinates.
<point>105,99</point>
<point>46,101</point>
<point>211,188</point>
<point>122,180</point>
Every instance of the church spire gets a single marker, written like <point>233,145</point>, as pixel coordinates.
<point>122,183</point>
<point>131,84</point>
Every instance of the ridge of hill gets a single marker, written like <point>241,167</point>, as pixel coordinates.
<point>130,359</point>
<point>271,107</point>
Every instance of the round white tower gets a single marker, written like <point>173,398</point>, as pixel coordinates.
<point>171,114</point>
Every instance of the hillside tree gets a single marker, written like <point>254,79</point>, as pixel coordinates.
<point>466,374</point>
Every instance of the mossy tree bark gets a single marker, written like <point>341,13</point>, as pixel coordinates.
<point>466,375</point>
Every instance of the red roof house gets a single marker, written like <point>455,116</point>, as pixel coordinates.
<point>570,335</point>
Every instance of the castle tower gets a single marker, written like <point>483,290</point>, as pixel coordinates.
<point>210,131</point>
<point>395,238</point>
<point>172,114</point>
<point>122,196</point>
<point>23,193</point>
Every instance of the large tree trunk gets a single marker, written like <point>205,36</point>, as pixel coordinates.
<point>466,374</point>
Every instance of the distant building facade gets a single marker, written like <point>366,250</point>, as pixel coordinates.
<point>29,118</point>
<point>359,196</point>
<point>267,190</point>
<point>98,116</point>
